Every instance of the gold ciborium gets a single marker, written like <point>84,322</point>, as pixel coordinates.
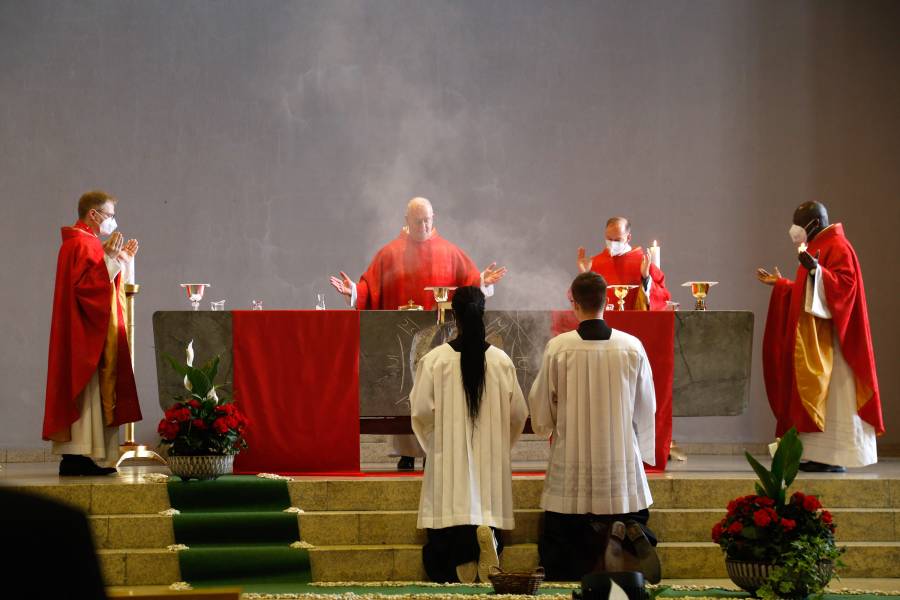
<point>621,291</point>
<point>410,305</point>
<point>441,299</point>
<point>699,290</point>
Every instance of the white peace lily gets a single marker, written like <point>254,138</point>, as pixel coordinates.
<point>190,362</point>
<point>212,395</point>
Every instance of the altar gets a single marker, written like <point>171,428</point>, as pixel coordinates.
<point>311,381</point>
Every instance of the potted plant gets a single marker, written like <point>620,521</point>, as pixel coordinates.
<point>204,431</point>
<point>775,546</point>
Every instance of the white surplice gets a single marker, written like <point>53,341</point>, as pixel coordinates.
<point>468,475</point>
<point>596,399</point>
<point>847,440</point>
<point>89,435</point>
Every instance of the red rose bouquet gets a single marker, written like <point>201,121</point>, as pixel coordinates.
<point>202,423</point>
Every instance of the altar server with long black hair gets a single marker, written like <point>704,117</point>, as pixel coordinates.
<point>467,412</point>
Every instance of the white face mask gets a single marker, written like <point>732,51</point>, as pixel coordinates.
<point>797,233</point>
<point>617,248</point>
<point>108,226</point>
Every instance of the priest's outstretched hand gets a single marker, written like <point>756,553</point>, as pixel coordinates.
<point>645,264</point>
<point>584,261</point>
<point>492,274</point>
<point>766,277</point>
<point>342,284</point>
<point>114,244</point>
<point>807,260</point>
<point>129,250</point>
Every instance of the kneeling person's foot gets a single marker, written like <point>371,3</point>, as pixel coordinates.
<point>467,572</point>
<point>811,466</point>
<point>487,557</point>
<point>406,463</point>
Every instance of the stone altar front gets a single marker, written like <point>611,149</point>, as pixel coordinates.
<point>711,372</point>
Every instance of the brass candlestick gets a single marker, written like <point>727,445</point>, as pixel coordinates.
<point>131,449</point>
<point>699,290</point>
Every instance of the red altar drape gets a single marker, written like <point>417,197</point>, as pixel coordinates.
<point>656,330</point>
<point>296,376</point>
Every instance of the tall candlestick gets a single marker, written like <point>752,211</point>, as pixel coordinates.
<point>654,254</point>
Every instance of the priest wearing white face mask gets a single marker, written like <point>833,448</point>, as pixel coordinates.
<point>90,383</point>
<point>620,264</point>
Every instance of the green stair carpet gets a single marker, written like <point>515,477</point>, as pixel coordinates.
<point>237,532</point>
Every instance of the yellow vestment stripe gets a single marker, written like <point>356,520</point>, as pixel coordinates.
<point>641,302</point>
<point>109,359</point>
<point>813,362</point>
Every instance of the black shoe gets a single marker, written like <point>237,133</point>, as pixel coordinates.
<point>76,464</point>
<point>406,463</point>
<point>811,466</point>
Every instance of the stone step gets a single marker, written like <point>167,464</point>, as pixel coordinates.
<point>139,566</point>
<point>684,560</point>
<point>402,493</point>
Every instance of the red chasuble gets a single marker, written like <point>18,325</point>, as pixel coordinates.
<point>789,330</point>
<point>625,269</point>
<point>83,302</point>
<point>402,270</point>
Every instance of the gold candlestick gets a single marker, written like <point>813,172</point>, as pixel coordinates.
<point>131,449</point>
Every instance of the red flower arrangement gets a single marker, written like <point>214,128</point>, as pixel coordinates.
<point>794,535</point>
<point>202,423</point>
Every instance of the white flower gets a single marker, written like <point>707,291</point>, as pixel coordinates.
<point>212,395</point>
<point>176,547</point>
<point>302,544</point>
<point>190,362</point>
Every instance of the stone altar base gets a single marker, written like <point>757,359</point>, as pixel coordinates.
<point>363,528</point>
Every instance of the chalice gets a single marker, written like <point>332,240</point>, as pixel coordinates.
<point>442,299</point>
<point>699,290</point>
<point>195,293</point>
<point>621,291</point>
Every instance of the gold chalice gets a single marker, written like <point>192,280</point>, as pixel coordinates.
<point>441,299</point>
<point>621,291</point>
<point>699,290</point>
<point>411,305</point>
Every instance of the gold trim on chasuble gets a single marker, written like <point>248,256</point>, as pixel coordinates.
<point>641,302</point>
<point>813,363</point>
<point>109,357</point>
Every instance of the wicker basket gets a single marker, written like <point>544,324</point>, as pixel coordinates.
<point>516,583</point>
<point>201,467</point>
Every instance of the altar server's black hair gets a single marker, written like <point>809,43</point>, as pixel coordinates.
<point>468,309</point>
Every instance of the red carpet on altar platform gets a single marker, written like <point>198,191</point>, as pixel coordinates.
<point>656,330</point>
<point>300,390</point>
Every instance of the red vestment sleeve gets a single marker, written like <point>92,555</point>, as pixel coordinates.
<point>778,337</point>
<point>659,295</point>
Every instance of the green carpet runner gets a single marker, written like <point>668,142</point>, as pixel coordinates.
<point>237,532</point>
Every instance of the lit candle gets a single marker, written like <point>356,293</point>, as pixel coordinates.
<point>129,271</point>
<point>654,254</point>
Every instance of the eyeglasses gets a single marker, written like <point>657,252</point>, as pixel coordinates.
<point>107,215</point>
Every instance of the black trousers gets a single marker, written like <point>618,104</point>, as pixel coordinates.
<point>449,547</point>
<point>570,545</point>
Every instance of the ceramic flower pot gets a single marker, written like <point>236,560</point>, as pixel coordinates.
<point>201,467</point>
<point>750,575</point>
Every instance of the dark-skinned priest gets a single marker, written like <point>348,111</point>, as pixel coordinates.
<point>620,264</point>
<point>818,360</point>
<point>400,272</point>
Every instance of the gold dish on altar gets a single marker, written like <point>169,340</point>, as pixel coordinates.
<point>699,290</point>
<point>621,291</point>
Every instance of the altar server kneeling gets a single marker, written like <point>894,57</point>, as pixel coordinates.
<point>467,412</point>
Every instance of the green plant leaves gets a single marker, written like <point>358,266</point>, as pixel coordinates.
<point>785,465</point>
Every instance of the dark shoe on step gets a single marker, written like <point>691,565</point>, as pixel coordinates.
<point>647,558</point>
<point>76,464</point>
<point>811,466</point>
<point>406,463</point>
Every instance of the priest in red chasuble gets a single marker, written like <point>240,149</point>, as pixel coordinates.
<point>621,264</point>
<point>818,361</point>
<point>90,383</point>
<point>400,272</point>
